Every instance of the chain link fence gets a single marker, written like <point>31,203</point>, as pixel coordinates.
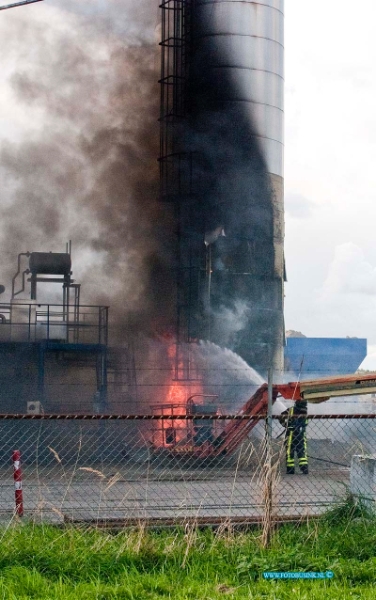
<point>132,468</point>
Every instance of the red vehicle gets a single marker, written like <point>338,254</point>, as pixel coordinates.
<point>203,437</point>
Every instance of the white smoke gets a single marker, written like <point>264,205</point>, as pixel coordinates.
<point>226,374</point>
<point>232,320</point>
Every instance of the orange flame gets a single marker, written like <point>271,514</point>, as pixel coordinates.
<point>168,433</point>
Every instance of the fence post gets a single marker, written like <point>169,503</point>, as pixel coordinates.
<point>17,476</point>
<point>268,480</point>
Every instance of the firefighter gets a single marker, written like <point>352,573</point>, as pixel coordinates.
<point>295,421</point>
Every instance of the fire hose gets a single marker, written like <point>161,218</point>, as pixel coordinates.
<point>333,462</point>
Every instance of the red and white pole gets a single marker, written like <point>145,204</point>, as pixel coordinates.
<point>17,476</point>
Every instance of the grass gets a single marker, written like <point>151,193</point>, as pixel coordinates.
<point>44,562</point>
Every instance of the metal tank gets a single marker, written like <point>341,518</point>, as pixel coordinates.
<point>242,43</point>
<point>50,263</point>
<point>222,166</point>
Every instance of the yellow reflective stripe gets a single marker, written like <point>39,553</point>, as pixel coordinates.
<point>289,458</point>
<point>304,459</point>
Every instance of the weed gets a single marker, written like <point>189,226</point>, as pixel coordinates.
<point>347,510</point>
<point>186,564</point>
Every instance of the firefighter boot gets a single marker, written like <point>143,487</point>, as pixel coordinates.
<point>304,469</point>
<point>290,471</point>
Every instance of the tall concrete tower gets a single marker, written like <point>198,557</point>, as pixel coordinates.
<point>222,169</point>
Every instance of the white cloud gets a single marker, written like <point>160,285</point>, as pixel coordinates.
<point>349,273</point>
<point>345,304</point>
<point>298,206</point>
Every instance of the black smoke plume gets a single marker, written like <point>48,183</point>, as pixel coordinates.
<point>85,164</point>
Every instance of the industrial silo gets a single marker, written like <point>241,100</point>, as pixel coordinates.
<point>222,171</point>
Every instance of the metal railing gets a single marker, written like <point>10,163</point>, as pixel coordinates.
<point>32,322</point>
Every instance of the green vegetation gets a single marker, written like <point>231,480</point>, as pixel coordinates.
<point>44,562</point>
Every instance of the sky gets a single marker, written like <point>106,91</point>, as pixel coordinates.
<point>330,169</point>
<point>330,148</point>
